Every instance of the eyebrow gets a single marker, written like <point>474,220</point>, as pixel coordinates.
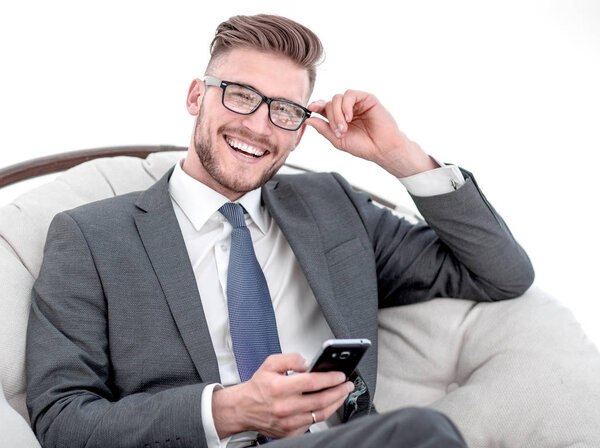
<point>275,97</point>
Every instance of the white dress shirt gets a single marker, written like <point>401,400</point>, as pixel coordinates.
<point>207,236</point>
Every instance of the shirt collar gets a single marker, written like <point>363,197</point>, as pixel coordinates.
<point>199,202</point>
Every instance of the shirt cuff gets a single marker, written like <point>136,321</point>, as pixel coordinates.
<point>210,431</point>
<point>433,182</point>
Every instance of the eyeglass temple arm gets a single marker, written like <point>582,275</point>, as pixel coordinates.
<point>212,81</point>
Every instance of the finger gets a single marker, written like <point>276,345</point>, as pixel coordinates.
<point>329,115</point>
<point>318,381</point>
<point>337,119</point>
<point>289,427</point>
<point>328,411</point>
<point>304,420</point>
<point>326,397</point>
<point>294,416</point>
<point>317,106</point>
<point>348,101</point>
<point>283,362</point>
<point>315,381</point>
<point>322,127</point>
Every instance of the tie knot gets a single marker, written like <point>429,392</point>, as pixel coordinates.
<point>234,214</point>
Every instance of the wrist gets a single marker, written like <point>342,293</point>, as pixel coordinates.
<point>408,161</point>
<point>226,411</point>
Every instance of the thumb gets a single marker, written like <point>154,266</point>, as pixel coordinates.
<point>322,127</point>
<point>281,363</point>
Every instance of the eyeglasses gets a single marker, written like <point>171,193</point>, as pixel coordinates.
<point>245,100</point>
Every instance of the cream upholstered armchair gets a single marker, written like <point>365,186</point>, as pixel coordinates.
<point>517,373</point>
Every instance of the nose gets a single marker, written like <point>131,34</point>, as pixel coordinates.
<point>258,121</point>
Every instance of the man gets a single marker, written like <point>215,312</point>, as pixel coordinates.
<point>136,336</point>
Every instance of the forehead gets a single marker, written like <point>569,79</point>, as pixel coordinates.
<point>272,74</point>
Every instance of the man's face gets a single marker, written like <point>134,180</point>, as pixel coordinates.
<point>212,157</point>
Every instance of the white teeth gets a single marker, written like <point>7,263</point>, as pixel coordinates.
<point>244,147</point>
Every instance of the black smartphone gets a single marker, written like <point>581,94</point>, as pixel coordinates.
<point>339,355</point>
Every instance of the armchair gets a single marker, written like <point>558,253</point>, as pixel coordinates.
<point>517,373</point>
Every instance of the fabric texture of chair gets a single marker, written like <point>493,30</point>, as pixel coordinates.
<point>513,373</point>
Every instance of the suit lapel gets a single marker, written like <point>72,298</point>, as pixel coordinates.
<point>297,223</point>
<point>159,231</point>
<point>302,233</point>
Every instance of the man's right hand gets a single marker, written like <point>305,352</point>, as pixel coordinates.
<point>274,404</point>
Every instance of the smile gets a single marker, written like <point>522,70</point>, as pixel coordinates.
<point>244,148</point>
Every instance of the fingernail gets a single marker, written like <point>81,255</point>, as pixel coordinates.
<point>337,133</point>
<point>350,386</point>
<point>348,118</point>
<point>341,127</point>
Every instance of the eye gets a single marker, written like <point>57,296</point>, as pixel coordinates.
<point>283,109</point>
<point>282,113</point>
<point>242,96</point>
<point>290,110</point>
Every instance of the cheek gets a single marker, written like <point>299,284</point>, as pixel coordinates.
<point>205,131</point>
<point>290,144</point>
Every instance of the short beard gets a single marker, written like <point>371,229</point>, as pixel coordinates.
<point>206,155</point>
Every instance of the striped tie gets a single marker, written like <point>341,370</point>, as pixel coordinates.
<point>251,316</point>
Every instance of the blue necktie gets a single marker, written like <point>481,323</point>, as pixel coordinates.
<point>251,316</point>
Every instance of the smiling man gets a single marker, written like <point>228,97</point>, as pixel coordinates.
<point>235,154</point>
<point>172,316</point>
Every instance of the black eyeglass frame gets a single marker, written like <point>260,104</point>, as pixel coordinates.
<point>212,81</point>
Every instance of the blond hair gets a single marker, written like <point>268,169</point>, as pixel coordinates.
<point>270,33</point>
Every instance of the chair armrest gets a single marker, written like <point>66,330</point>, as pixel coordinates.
<point>14,430</point>
<point>512,373</point>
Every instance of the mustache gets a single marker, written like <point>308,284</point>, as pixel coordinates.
<point>249,136</point>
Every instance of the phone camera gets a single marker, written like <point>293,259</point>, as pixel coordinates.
<point>344,355</point>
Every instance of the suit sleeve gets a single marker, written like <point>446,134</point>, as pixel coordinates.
<point>70,398</point>
<point>464,250</point>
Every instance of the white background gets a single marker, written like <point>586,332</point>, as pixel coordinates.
<point>507,89</point>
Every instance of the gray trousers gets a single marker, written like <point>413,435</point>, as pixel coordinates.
<point>406,428</point>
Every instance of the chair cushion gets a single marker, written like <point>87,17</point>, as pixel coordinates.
<point>14,430</point>
<point>516,373</point>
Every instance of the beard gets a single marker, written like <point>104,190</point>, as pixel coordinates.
<point>203,145</point>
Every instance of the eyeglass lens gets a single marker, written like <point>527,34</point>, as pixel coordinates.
<point>242,100</point>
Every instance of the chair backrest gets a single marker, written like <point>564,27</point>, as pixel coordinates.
<point>24,224</point>
<point>23,227</point>
<point>61,162</point>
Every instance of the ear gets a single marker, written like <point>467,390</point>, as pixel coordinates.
<point>194,96</point>
<point>300,134</point>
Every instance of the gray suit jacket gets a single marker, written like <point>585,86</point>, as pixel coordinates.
<point>118,350</point>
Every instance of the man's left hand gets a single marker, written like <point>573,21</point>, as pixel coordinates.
<point>358,124</point>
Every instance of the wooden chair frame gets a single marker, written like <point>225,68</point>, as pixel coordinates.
<point>63,161</point>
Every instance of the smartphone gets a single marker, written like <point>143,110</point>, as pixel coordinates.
<point>340,355</point>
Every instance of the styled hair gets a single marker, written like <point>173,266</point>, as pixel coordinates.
<point>270,33</point>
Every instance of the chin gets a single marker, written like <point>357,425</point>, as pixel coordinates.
<point>228,175</point>
<point>243,186</point>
